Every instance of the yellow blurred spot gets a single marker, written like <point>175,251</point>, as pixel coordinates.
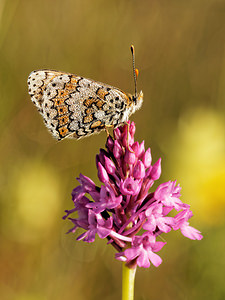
<point>30,297</point>
<point>198,158</point>
<point>37,197</point>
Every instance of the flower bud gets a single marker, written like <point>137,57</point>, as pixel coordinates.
<point>129,157</point>
<point>139,170</point>
<point>147,158</point>
<point>102,174</point>
<point>109,144</point>
<point>117,150</point>
<point>127,140</point>
<point>109,165</point>
<point>132,129</point>
<point>135,148</point>
<point>100,157</point>
<point>156,170</point>
<point>141,149</point>
<point>117,133</point>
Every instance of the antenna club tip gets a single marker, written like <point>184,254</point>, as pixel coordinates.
<point>136,72</point>
<point>132,49</point>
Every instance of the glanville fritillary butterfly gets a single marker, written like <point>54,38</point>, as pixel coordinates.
<point>73,106</point>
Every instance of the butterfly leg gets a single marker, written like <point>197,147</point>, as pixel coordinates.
<point>107,129</point>
<point>128,146</point>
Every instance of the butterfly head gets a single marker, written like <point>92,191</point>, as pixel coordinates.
<point>136,101</point>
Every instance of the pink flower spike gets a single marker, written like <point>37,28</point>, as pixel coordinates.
<point>124,208</point>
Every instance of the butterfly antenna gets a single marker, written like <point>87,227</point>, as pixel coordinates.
<point>135,71</point>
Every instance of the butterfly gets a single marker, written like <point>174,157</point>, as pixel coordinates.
<point>73,106</point>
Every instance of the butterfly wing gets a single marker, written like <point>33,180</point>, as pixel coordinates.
<point>73,106</point>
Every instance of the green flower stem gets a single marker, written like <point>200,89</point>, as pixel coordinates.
<point>128,283</point>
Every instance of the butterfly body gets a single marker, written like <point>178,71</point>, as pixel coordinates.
<point>75,107</point>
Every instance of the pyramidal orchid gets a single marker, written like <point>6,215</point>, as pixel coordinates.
<point>124,208</point>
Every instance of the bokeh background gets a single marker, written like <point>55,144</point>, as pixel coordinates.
<point>180,53</point>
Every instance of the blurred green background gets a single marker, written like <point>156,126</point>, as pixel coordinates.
<point>180,53</point>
